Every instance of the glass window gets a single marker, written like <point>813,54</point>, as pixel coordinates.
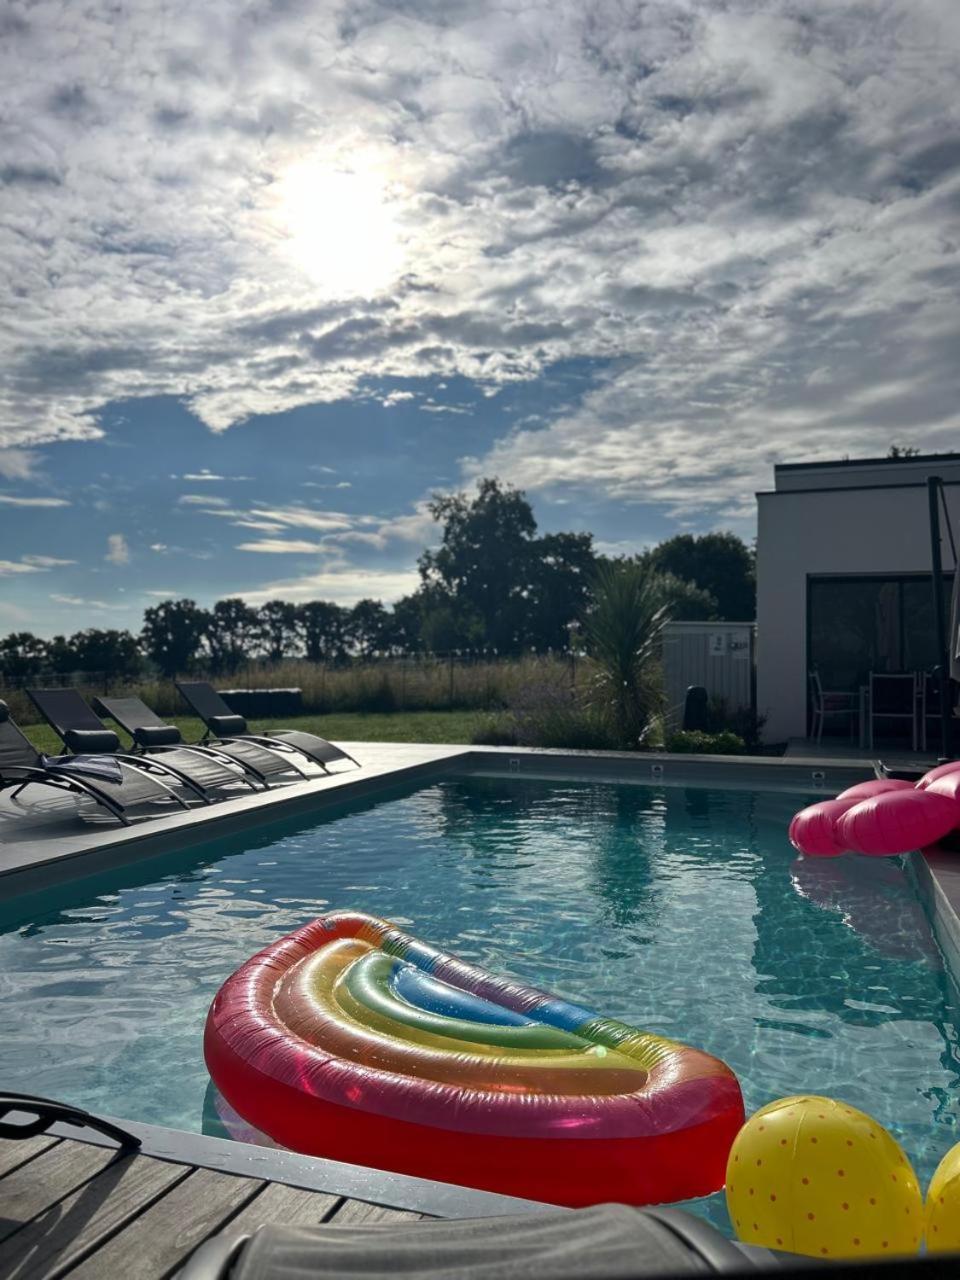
<point>859,625</point>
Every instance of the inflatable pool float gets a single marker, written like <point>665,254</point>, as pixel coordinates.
<point>883,817</point>
<point>350,1039</point>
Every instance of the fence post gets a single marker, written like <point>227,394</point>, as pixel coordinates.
<point>451,679</point>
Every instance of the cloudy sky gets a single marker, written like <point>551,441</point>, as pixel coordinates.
<point>273,271</point>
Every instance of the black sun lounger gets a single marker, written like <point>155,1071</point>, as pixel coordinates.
<point>209,766</point>
<point>83,732</point>
<point>21,764</point>
<point>603,1242</point>
<point>225,724</point>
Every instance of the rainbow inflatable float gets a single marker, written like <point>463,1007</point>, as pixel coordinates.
<point>882,817</point>
<point>349,1039</point>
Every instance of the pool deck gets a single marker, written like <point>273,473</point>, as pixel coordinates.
<point>81,1207</point>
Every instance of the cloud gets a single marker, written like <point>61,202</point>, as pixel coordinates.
<point>201,500</point>
<point>209,475</point>
<point>276,546</point>
<point>31,564</point>
<point>9,568</point>
<point>305,518</point>
<point>80,602</point>
<point>18,464</point>
<point>736,217</point>
<point>11,500</point>
<point>344,585</point>
<point>117,550</point>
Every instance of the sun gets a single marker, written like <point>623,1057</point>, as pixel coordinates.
<point>338,225</point>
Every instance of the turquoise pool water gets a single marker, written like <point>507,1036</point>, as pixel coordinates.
<point>683,910</point>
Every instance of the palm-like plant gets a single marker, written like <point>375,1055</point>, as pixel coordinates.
<point>621,631</point>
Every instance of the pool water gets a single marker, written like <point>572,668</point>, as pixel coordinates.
<point>682,910</point>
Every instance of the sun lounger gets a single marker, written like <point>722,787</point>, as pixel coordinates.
<point>603,1242</point>
<point>226,725</point>
<point>40,1114</point>
<point>209,765</point>
<point>82,731</point>
<point>21,764</point>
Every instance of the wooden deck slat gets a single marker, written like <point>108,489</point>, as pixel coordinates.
<point>54,1241</point>
<point>355,1213</point>
<point>17,1151</point>
<point>31,1189</point>
<point>291,1206</point>
<point>154,1243</point>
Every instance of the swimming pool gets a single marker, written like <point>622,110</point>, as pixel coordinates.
<point>680,909</point>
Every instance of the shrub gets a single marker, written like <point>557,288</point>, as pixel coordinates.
<point>549,713</point>
<point>495,731</point>
<point>742,721</point>
<point>696,742</point>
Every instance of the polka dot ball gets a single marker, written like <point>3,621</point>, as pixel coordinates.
<point>942,1217</point>
<point>824,1180</point>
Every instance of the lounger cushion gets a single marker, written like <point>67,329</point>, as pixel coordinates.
<point>4,711</point>
<point>225,725</point>
<point>91,740</point>
<point>157,735</point>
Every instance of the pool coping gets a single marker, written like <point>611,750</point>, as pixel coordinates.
<point>312,1173</point>
<point>27,867</point>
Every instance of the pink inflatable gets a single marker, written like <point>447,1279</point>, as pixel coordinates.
<point>941,771</point>
<point>948,784</point>
<point>813,830</point>
<point>875,787</point>
<point>881,817</point>
<point>896,822</point>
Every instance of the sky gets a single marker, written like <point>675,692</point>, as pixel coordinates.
<point>272,272</point>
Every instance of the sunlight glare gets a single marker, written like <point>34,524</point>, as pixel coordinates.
<point>339,227</point>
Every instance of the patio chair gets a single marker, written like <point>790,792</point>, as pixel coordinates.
<point>22,764</point>
<point>82,731</point>
<point>209,765</point>
<point>838,703</point>
<point>603,1242</point>
<point>894,700</point>
<point>226,725</point>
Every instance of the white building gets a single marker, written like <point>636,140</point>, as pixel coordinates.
<point>844,577</point>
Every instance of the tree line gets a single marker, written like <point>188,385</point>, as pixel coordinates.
<point>493,585</point>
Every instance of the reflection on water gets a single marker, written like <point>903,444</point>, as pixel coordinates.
<point>683,910</point>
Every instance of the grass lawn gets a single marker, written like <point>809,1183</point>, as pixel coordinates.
<point>398,726</point>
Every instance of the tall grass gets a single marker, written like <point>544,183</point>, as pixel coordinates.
<point>408,684</point>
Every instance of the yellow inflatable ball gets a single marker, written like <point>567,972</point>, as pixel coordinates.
<point>942,1214</point>
<point>813,1176</point>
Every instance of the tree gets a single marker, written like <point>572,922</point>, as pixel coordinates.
<point>685,601</point>
<point>720,563</point>
<point>494,578</point>
<point>277,627</point>
<point>367,625</point>
<point>320,626</point>
<point>172,632</point>
<point>622,630</point>
<point>22,656</point>
<point>405,633</point>
<point>561,568</point>
<point>232,630</point>
<point>61,656</point>
<point>115,653</point>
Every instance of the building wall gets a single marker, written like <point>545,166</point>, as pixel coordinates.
<point>882,530</point>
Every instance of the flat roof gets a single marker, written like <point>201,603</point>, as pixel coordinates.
<point>912,459</point>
